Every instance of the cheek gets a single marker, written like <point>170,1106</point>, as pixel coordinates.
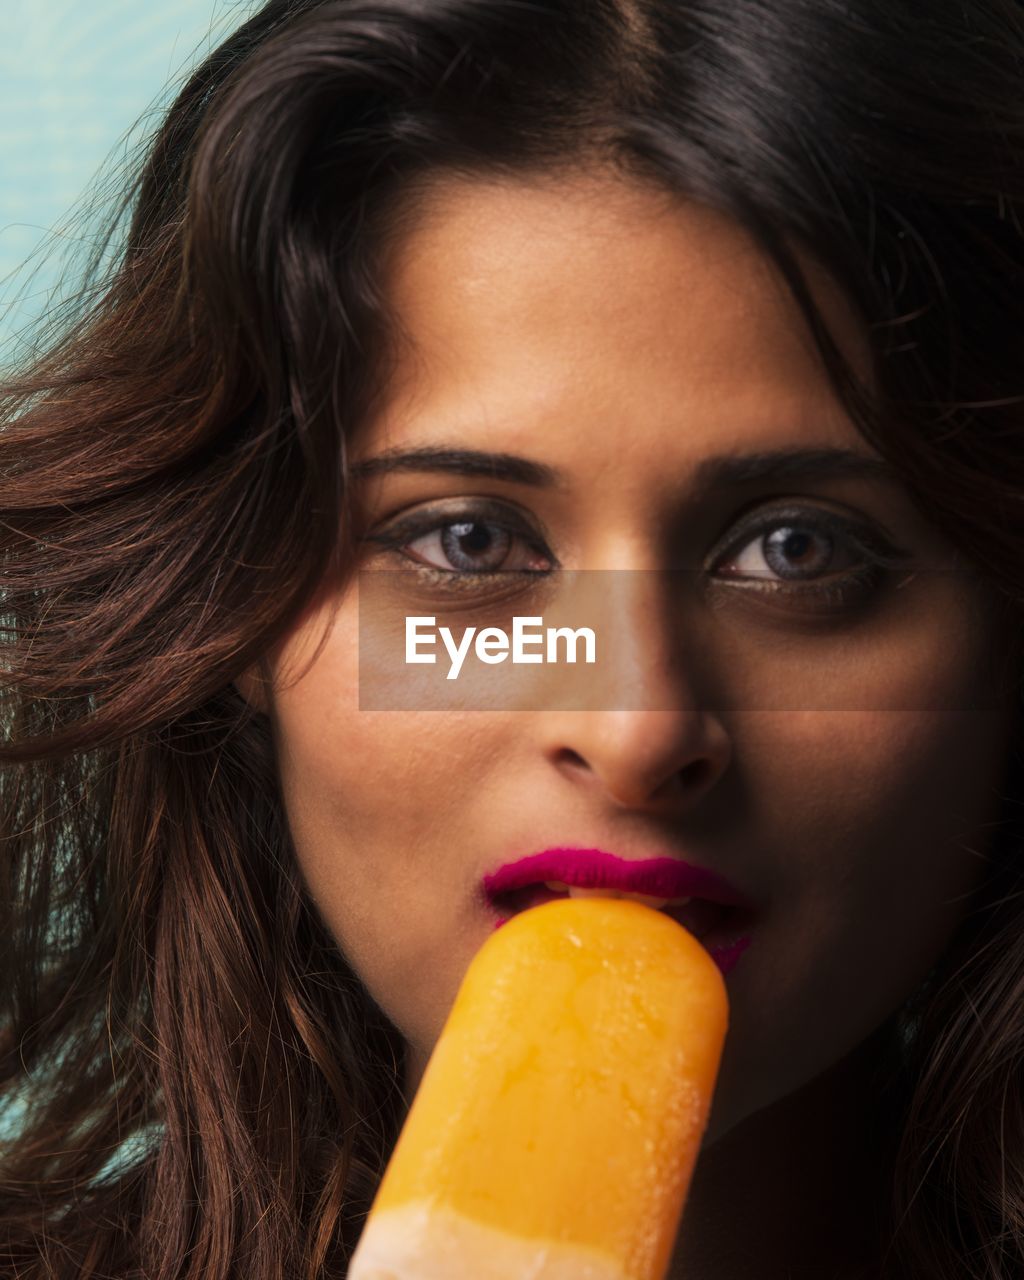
<point>872,824</point>
<point>891,790</point>
<point>901,806</point>
<point>365,793</point>
<point>858,778</point>
<point>373,768</point>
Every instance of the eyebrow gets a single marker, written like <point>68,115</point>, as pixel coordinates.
<point>463,462</point>
<point>723,471</point>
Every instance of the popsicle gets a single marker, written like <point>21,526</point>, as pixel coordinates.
<point>558,1121</point>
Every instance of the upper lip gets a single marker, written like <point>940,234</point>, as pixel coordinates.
<point>661,877</point>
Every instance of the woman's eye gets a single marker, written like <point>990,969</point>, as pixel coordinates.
<point>477,546</point>
<point>790,551</point>
<point>809,555</point>
<point>466,544</point>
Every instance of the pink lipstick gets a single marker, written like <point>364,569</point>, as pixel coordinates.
<point>701,900</point>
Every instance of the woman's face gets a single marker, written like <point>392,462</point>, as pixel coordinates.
<point>811,737</point>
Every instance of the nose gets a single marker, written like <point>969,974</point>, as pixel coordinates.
<point>652,739</point>
<point>639,758</point>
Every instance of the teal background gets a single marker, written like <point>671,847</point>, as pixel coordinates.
<point>79,79</point>
<point>82,82</point>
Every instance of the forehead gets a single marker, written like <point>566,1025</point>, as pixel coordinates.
<point>535,293</point>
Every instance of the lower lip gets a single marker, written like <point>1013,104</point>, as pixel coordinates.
<point>728,957</point>
<point>724,943</point>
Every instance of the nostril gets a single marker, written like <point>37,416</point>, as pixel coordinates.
<point>694,776</point>
<point>696,773</point>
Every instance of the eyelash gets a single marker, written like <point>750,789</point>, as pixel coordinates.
<point>878,555</point>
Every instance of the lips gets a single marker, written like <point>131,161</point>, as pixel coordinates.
<point>701,900</point>
<point>595,869</point>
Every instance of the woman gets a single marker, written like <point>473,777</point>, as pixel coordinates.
<point>720,302</point>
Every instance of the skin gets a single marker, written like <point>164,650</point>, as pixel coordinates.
<point>623,336</point>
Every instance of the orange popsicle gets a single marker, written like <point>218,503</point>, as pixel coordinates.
<point>558,1121</point>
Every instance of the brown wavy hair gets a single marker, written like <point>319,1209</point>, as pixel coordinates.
<point>196,1084</point>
